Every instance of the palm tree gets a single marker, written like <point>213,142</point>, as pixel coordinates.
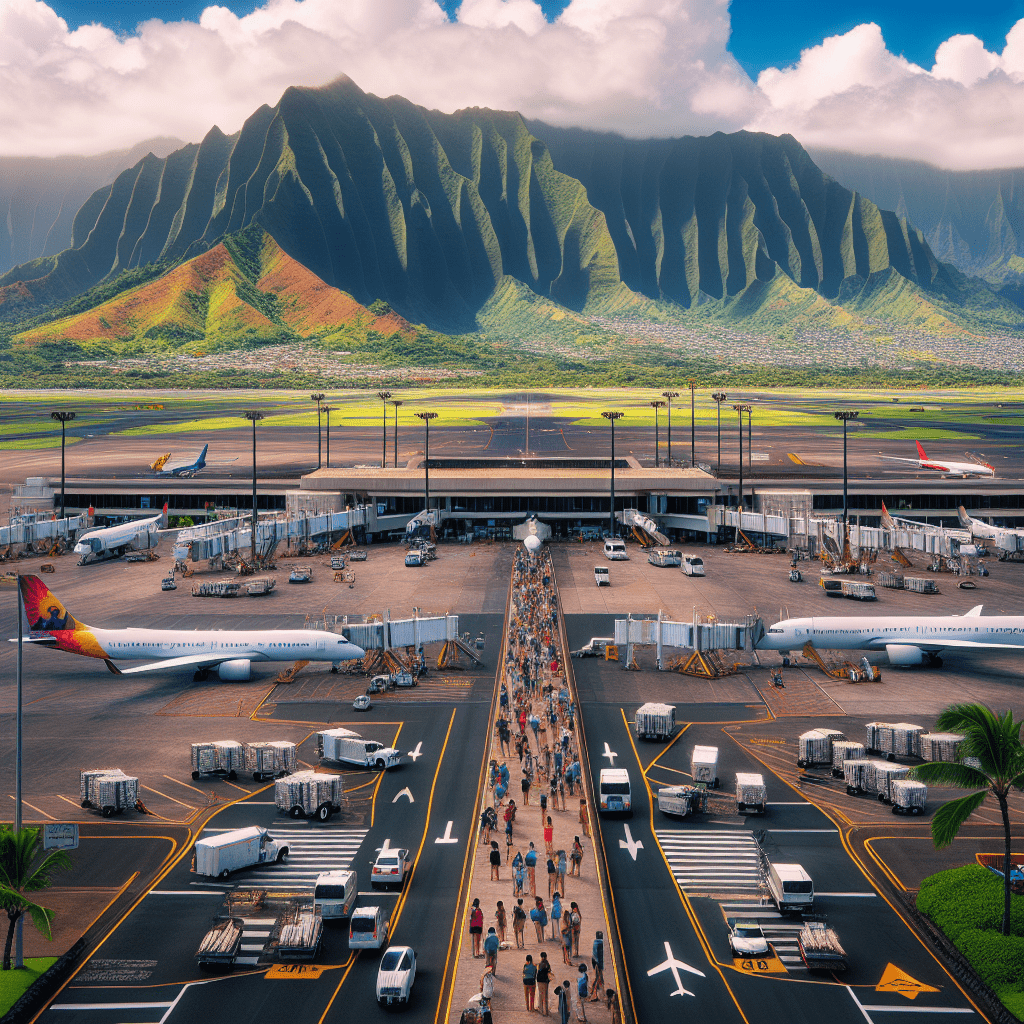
<point>994,740</point>
<point>18,876</point>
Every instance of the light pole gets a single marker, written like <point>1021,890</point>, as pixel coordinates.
<point>328,410</point>
<point>253,415</point>
<point>62,418</point>
<point>657,404</point>
<point>692,385</point>
<point>719,397</point>
<point>384,396</point>
<point>750,442</point>
<point>845,416</point>
<point>741,409</point>
<point>668,396</point>
<point>396,402</point>
<point>426,417</point>
<point>318,397</point>
<point>612,417</point>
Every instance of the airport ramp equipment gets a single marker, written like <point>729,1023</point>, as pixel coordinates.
<point>769,523</point>
<point>845,750</point>
<point>698,635</point>
<point>815,747</point>
<point>109,790</point>
<point>310,794</point>
<point>387,633</point>
<point>35,530</point>
<point>218,757</point>
<point>908,796</point>
<point>886,774</point>
<point>265,760</point>
<point>941,746</point>
<point>647,527</point>
<point>1009,543</point>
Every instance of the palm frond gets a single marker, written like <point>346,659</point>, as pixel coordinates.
<point>951,773</point>
<point>951,816</point>
<point>56,860</point>
<point>42,918</point>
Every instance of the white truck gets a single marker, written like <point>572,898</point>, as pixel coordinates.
<point>704,766</point>
<point>615,550</point>
<point>655,721</point>
<point>751,793</point>
<point>350,748</point>
<point>693,565</point>
<point>791,888</point>
<point>218,856</point>
<point>602,577</point>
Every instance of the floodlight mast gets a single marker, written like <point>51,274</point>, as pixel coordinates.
<point>612,417</point>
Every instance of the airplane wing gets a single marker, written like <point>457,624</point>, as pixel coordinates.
<point>187,661</point>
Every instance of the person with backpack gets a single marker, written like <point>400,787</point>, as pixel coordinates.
<point>476,928</point>
<point>556,916</point>
<point>576,857</point>
<point>491,945</point>
<point>519,924</point>
<point>581,993</point>
<point>539,916</point>
<point>543,980</point>
<point>530,982</point>
<point>597,962</point>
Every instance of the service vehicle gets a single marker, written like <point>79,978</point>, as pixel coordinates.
<point>796,576</point>
<point>790,888</point>
<point>220,944</point>
<point>390,868</point>
<point>396,975</point>
<point>704,766</point>
<point>820,948</point>
<point>693,565</point>
<point>751,793</point>
<point>613,792</point>
<point>602,576</point>
<point>167,583</point>
<point>350,748</point>
<point>388,681</point>
<point>367,928</point>
<point>301,574</point>
<point>334,893</point>
<point>857,590</point>
<point>682,801</point>
<point>218,856</point>
<point>746,938</point>
<point>362,703</point>
<point>666,558</point>
<point>310,795</point>
<point>301,934</point>
<point>831,586</point>
<point>655,721</point>
<point>414,558</point>
<point>615,550</point>
<point>595,647</point>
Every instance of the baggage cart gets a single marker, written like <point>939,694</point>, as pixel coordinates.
<point>891,580</point>
<point>704,766</point>
<point>858,591</point>
<point>908,796</point>
<point>920,585</point>
<point>220,944</point>
<point>268,760</point>
<point>751,793</point>
<point>844,750</point>
<point>815,747</point>
<point>655,721</point>
<point>218,757</point>
<point>682,800</point>
<point>259,587</point>
<point>859,774</point>
<point>109,791</point>
<point>899,739</point>
<point>301,934</point>
<point>941,746</point>
<point>310,795</point>
<point>885,775</point>
<point>820,948</point>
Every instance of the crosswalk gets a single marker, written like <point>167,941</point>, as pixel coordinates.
<point>255,933</point>
<point>310,851</point>
<point>780,931</point>
<point>712,860</point>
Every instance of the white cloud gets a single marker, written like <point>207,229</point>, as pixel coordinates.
<point>642,67</point>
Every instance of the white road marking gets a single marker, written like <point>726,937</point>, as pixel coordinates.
<point>447,837</point>
<point>631,844</point>
<point>610,754</point>
<point>404,792</point>
<point>417,753</point>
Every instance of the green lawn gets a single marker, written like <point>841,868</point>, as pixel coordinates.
<point>14,984</point>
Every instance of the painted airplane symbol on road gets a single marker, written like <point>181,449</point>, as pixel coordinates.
<point>610,754</point>
<point>417,753</point>
<point>631,844</point>
<point>386,847</point>
<point>447,837</point>
<point>674,965</point>
<point>405,792</point>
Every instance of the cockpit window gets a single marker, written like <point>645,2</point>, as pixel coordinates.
<point>772,629</point>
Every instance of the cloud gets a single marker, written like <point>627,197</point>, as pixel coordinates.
<point>643,67</point>
<point>851,93</point>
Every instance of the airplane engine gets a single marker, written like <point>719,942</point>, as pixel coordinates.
<point>905,654</point>
<point>237,670</point>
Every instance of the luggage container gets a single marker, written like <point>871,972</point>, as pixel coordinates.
<point>891,580</point>
<point>218,757</point>
<point>858,591</point>
<point>310,795</point>
<point>665,558</point>
<point>655,721</point>
<point>301,933</point>
<point>845,750</point>
<point>267,760</point>
<point>920,585</point>
<point>257,588</point>
<point>216,588</point>
<point>682,801</point>
<point>906,739</point>
<point>859,774</point>
<point>751,793</point>
<point>220,944</point>
<point>109,790</point>
<point>815,747</point>
<point>908,796</point>
<point>885,775</point>
<point>704,766</point>
<point>941,746</point>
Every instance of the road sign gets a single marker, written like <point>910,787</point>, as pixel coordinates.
<point>61,835</point>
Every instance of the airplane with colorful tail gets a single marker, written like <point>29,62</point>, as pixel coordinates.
<point>184,469</point>
<point>230,653</point>
<point>963,469</point>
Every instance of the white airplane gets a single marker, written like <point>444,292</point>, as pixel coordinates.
<point>228,652</point>
<point>114,541</point>
<point>963,469</point>
<point>1006,540</point>
<point>675,966</point>
<point>907,640</point>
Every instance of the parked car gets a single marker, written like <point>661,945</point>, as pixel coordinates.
<point>390,868</point>
<point>362,703</point>
<point>396,975</point>
<point>746,938</point>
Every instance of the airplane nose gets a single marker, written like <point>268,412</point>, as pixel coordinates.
<point>356,652</point>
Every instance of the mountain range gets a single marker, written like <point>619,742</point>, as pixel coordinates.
<point>337,206</point>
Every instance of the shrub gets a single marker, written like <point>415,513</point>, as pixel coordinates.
<point>998,959</point>
<point>970,897</point>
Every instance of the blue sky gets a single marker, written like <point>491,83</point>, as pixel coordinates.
<point>765,33</point>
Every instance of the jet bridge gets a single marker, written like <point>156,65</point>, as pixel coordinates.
<point>40,533</point>
<point>704,636</point>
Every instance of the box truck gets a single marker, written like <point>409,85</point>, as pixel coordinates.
<point>791,888</point>
<point>218,856</point>
<point>350,748</point>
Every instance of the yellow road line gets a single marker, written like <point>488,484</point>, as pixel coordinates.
<point>39,810</point>
<point>187,786</point>
<point>191,807</point>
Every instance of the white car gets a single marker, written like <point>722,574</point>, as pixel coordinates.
<point>390,868</point>
<point>746,938</point>
<point>396,975</point>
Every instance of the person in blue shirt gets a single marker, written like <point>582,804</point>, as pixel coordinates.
<point>531,869</point>
<point>597,962</point>
<point>539,916</point>
<point>491,950</point>
<point>556,916</point>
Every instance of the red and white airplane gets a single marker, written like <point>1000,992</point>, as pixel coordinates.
<point>964,469</point>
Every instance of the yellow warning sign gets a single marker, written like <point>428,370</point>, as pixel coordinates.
<point>895,980</point>
<point>760,965</point>
<point>296,971</point>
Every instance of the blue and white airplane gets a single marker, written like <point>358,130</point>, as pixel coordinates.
<point>161,468</point>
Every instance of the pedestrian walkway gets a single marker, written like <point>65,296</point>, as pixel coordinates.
<point>255,935</point>
<point>533,738</point>
<point>713,861</point>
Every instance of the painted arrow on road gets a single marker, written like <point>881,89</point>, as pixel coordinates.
<point>610,754</point>
<point>405,792</point>
<point>631,844</point>
<point>417,753</point>
<point>447,837</point>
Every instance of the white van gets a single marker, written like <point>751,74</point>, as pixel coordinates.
<point>693,565</point>
<point>602,576</point>
<point>615,550</point>
<point>791,888</point>
<point>665,557</point>
<point>614,796</point>
<point>367,928</point>
<point>334,893</point>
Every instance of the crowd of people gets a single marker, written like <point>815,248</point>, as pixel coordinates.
<point>537,758</point>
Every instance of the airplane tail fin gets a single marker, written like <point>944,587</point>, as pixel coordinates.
<point>920,451</point>
<point>43,610</point>
<point>163,521</point>
<point>202,455</point>
<point>965,519</point>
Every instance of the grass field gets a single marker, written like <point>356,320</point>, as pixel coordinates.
<point>14,984</point>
